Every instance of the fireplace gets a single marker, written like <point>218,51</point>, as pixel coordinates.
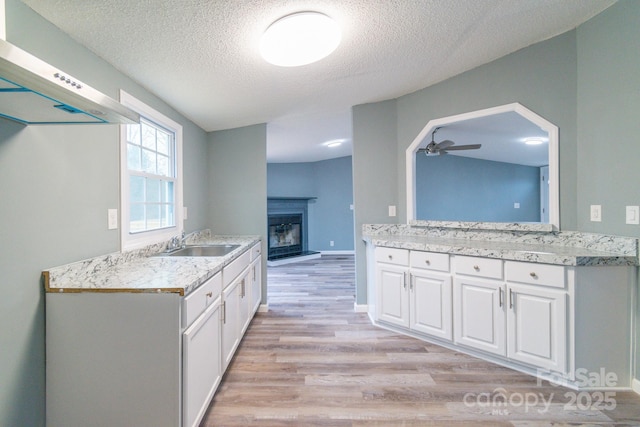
<point>285,235</point>
<point>287,228</point>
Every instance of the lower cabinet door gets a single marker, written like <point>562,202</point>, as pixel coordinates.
<point>230,322</point>
<point>479,317</point>
<point>393,294</point>
<point>536,327</point>
<point>245,314</point>
<point>431,304</point>
<point>201,369</point>
<point>256,284</point>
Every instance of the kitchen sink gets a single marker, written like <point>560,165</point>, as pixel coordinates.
<point>202,250</point>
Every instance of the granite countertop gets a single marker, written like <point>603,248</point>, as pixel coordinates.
<point>516,251</point>
<point>143,271</point>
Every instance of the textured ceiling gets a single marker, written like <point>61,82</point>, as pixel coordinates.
<point>201,56</point>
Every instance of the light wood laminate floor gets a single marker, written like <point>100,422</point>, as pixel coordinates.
<point>312,361</point>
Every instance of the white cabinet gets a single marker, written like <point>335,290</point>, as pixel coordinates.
<point>539,318</point>
<point>235,306</point>
<point>201,367</point>
<point>479,318</point>
<point>230,322</point>
<point>126,358</point>
<point>123,359</point>
<point>478,301</point>
<point>201,349</point>
<point>537,327</point>
<point>414,291</point>
<point>430,294</point>
<point>537,315</point>
<point>256,277</point>
<point>392,268</point>
<point>526,322</point>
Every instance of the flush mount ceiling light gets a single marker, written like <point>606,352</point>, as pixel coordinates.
<point>334,143</point>
<point>300,39</point>
<point>534,141</point>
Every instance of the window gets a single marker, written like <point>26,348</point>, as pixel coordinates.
<point>151,177</point>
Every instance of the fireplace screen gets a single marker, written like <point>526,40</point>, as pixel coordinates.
<point>285,236</point>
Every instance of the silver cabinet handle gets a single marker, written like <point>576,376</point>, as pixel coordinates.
<point>533,274</point>
<point>476,268</point>
<point>510,298</point>
<point>500,297</point>
<point>224,312</point>
<point>209,294</point>
<point>404,280</point>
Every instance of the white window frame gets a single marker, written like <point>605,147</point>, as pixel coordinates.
<point>130,241</point>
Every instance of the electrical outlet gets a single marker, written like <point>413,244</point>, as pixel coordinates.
<point>596,213</point>
<point>112,219</point>
<point>330,242</point>
<point>392,210</point>
<point>184,212</point>
<point>516,205</point>
<point>633,215</point>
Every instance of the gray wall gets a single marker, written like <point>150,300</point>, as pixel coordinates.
<point>375,175</point>
<point>237,197</point>
<point>541,77</point>
<point>609,118</point>
<point>330,216</point>
<point>291,180</point>
<point>57,184</point>
<point>609,122</point>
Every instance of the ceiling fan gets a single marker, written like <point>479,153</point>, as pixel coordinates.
<point>433,149</point>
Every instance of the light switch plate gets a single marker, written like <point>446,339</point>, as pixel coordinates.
<point>596,213</point>
<point>392,210</point>
<point>112,219</point>
<point>516,205</point>
<point>184,213</point>
<point>633,215</point>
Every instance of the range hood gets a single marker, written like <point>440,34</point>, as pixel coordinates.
<point>33,92</point>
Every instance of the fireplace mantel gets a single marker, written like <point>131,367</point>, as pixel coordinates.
<point>290,198</point>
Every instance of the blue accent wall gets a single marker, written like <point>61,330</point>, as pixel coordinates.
<point>330,215</point>
<point>291,180</point>
<point>467,189</point>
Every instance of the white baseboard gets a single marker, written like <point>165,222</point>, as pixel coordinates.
<point>635,385</point>
<point>360,308</point>
<point>337,252</point>
<point>264,308</point>
<point>293,259</point>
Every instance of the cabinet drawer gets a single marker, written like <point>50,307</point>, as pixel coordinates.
<point>535,274</point>
<point>479,267</point>
<point>232,270</point>
<point>256,250</point>
<point>392,255</point>
<point>429,260</point>
<point>197,301</point>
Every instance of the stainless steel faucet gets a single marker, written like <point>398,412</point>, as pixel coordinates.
<point>174,244</point>
<point>185,236</point>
